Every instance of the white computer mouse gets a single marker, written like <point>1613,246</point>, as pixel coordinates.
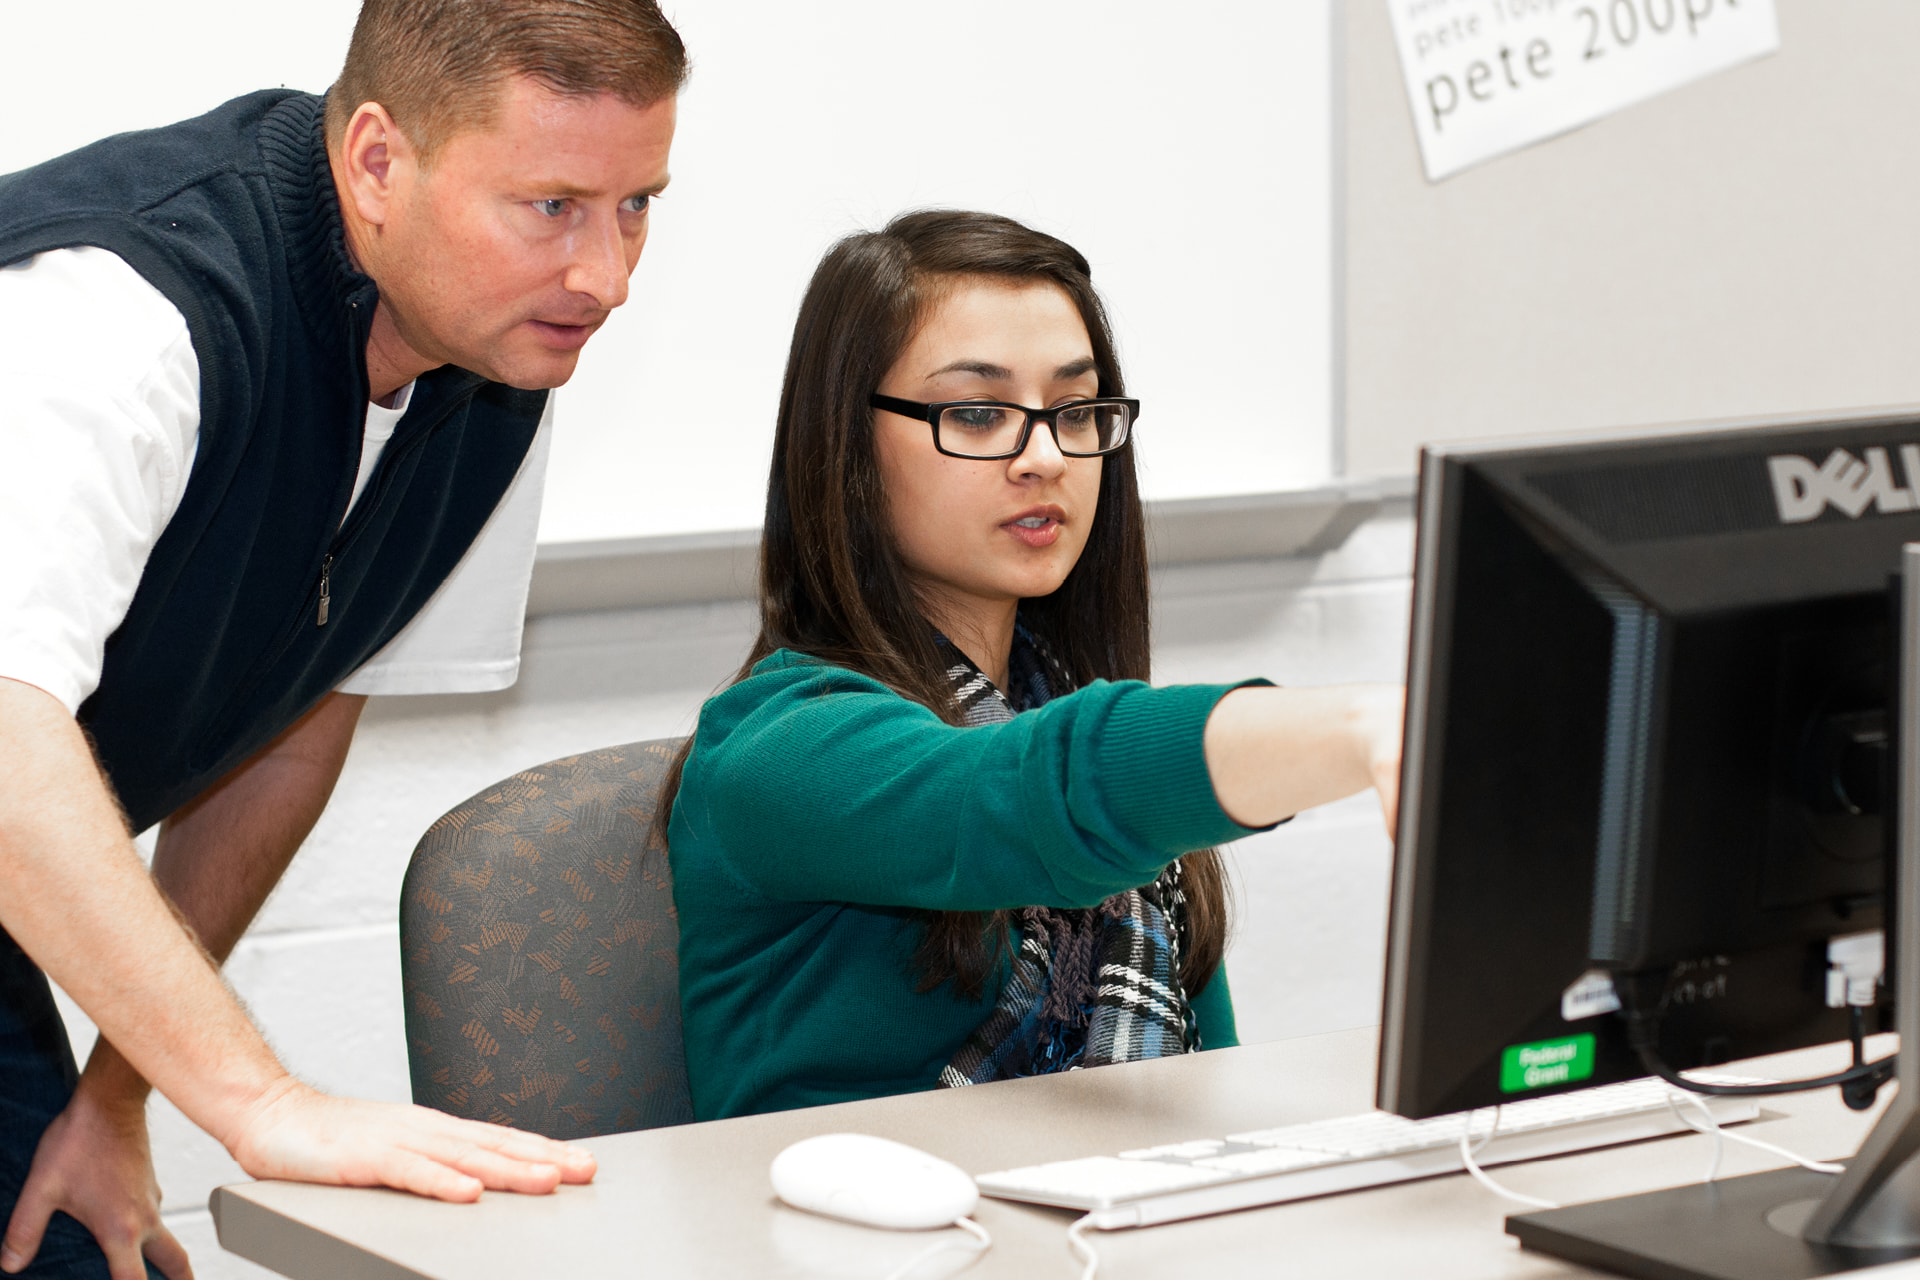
<point>868,1180</point>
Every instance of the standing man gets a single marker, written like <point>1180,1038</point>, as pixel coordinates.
<point>275,404</point>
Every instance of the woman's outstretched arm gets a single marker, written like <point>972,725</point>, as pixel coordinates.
<point>1275,752</point>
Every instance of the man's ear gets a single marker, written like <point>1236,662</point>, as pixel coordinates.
<point>377,161</point>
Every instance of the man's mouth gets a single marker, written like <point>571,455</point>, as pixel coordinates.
<point>564,334</point>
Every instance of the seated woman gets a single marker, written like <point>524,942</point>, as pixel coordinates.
<point>940,831</point>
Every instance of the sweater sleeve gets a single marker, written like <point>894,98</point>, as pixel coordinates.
<point>1213,1013</point>
<point>813,783</point>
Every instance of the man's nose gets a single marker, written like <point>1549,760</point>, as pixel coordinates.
<point>598,265</point>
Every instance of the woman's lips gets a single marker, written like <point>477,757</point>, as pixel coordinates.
<point>1038,528</point>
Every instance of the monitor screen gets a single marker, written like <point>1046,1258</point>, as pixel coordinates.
<point>1645,750</point>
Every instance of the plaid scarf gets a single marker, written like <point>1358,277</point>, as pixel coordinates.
<point>1088,986</point>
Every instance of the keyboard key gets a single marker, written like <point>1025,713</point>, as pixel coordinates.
<point>1190,1149</point>
<point>1102,1177</point>
<point>1266,1161</point>
<point>1367,1134</point>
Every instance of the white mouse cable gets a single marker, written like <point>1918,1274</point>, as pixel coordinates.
<point>1674,1100</point>
<point>1720,1134</point>
<point>1467,1152</point>
<point>1077,1239</point>
<point>964,1222</point>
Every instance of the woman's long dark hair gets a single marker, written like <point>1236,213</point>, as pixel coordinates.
<point>832,584</point>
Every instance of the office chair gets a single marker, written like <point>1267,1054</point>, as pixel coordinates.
<point>539,952</point>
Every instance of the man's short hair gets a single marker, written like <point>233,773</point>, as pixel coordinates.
<point>438,66</point>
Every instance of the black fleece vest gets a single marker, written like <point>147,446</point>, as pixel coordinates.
<point>233,217</point>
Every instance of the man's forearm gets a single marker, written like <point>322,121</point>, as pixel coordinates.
<point>83,907</point>
<point>221,855</point>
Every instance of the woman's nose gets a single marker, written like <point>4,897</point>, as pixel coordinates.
<point>1041,457</point>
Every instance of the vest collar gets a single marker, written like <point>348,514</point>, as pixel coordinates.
<point>330,291</point>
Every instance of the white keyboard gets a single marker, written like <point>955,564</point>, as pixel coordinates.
<point>1286,1163</point>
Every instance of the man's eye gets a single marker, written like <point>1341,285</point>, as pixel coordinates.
<point>551,208</point>
<point>637,204</point>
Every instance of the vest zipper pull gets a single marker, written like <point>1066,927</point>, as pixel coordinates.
<point>326,590</point>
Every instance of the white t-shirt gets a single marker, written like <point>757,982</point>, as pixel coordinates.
<point>100,413</point>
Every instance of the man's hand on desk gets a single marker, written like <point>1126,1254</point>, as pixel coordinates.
<point>94,1163</point>
<point>297,1133</point>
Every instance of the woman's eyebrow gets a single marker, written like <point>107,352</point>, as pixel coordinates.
<point>984,369</point>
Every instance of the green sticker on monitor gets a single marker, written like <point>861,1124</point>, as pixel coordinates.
<point>1549,1063</point>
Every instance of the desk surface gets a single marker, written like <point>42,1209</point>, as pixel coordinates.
<point>693,1201</point>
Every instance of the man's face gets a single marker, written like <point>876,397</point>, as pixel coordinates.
<point>508,250</point>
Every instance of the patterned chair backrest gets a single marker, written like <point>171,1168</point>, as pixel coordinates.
<point>539,952</point>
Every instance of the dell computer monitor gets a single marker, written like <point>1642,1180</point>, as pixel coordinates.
<point>1645,751</point>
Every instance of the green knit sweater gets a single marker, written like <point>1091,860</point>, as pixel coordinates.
<point>819,812</point>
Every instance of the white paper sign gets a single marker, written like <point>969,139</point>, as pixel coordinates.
<point>1486,77</point>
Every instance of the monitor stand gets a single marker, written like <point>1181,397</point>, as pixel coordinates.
<point>1792,1223</point>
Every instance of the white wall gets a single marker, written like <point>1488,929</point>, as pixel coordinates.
<point>320,969</point>
<point>1188,159</point>
<point>81,70</point>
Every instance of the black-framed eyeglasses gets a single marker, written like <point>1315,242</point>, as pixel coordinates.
<point>1000,429</point>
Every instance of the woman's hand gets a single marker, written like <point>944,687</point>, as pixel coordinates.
<point>1383,717</point>
<point>1275,752</point>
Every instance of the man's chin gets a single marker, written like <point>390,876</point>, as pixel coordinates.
<point>533,373</point>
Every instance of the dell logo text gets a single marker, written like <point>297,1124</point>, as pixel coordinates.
<point>1802,491</point>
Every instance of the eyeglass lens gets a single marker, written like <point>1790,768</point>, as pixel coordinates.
<point>988,431</point>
